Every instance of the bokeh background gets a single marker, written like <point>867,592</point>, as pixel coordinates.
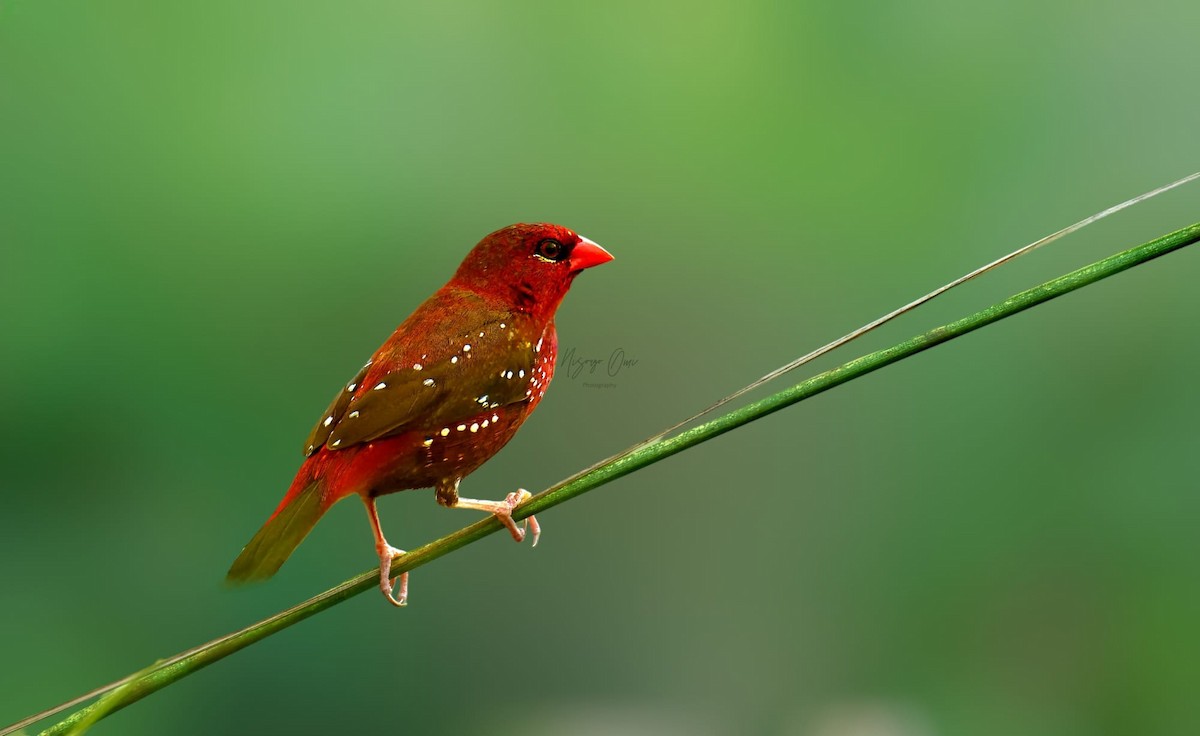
<point>211,213</point>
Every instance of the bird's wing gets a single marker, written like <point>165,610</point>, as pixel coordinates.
<point>337,409</point>
<point>438,395</point>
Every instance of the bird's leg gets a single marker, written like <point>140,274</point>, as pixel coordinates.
<point>386,553</point>
<point>447,495</point>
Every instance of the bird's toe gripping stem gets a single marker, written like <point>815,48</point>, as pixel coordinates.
<point>530,523</point>
<point>502,510</point>
<point>386,554</point>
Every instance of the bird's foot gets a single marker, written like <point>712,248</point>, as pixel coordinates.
<point>502,510</point>
<point>530,523</point>
<point>386,553</point>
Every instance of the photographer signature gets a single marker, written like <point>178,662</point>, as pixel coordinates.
<point>574,364</point>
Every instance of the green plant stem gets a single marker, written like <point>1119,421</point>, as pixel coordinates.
<point>174,669</point>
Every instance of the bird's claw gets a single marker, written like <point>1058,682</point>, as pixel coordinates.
<point>504,514</point>
<point>386,554</point>
<point>502,510</point>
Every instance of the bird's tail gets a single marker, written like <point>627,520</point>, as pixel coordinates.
<point>299,511</point>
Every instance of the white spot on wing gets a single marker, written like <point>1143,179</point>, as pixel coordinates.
<point>381,385</point>
<point>328,421</point>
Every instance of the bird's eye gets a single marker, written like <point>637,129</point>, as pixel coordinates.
<point>551,250</point>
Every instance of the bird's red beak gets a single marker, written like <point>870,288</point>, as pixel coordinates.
<point>586,254</point>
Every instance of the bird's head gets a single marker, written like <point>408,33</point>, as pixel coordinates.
<point>529,266</point>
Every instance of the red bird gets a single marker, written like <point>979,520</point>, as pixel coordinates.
<point>444,393</point>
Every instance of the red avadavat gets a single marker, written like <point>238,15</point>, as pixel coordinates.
<point>444,393</point>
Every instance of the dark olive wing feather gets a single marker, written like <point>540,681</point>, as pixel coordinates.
<point>494,373</point>
<point>320,433</point>
<point>394,401</point>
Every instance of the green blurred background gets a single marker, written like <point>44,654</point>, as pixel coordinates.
<point>211,213</point>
